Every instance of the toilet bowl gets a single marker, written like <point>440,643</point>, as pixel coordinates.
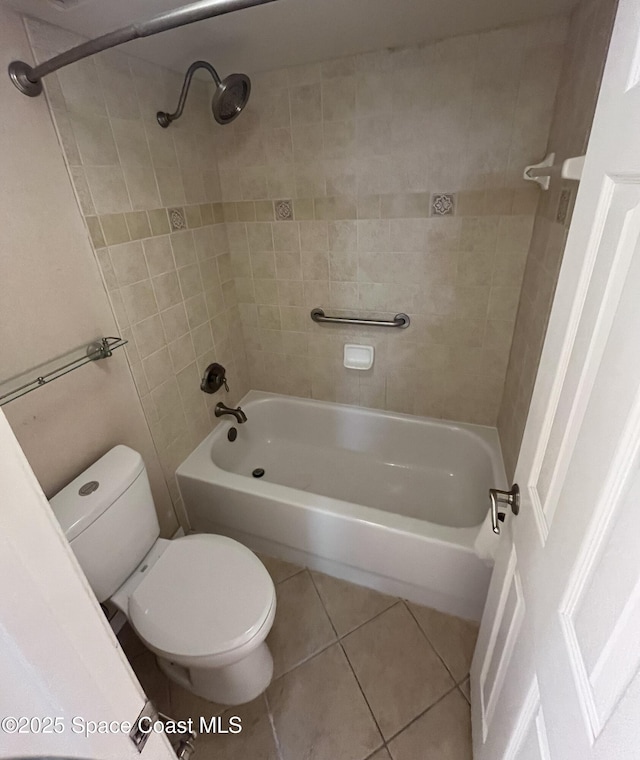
<point>203,604</point>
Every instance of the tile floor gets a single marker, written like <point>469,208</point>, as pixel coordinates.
<point>358,675</point>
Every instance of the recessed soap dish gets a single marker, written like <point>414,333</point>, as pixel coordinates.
<point>358,357</point>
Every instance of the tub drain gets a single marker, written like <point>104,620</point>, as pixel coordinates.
<point>258,472</point>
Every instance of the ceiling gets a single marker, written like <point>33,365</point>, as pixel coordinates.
<point>289,32</point>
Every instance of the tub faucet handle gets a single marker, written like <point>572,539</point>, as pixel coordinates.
<point>215,376</point>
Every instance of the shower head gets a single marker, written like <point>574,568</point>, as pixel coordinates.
<point>230,97</point>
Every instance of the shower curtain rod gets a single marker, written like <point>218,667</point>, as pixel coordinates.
<point>28,79</point>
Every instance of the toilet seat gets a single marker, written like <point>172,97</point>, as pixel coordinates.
<point>205,595</point>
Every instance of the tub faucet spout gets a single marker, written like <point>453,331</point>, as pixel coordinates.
<point>222,409</point>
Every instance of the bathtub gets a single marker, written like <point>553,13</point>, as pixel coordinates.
<point>390,501</point>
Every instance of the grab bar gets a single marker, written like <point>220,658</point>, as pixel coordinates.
<point>400,320</point>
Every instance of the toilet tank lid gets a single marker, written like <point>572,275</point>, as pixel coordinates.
<point>81,502</point>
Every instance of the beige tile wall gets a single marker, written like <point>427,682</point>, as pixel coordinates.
<point>588,41</point>
<point>172,290</point>
<point>360,145</point>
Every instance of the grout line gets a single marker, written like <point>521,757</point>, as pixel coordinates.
<point>324,648</point>
<point>306,660</point>
<point>467,699</point>
<point>364,696</point>
<point>300,569</point>
<point>424,712</point>
<point>293,575</point>
<point>310,656</point>
<point>348,633</point>
<point>324,606</point>
<point>340,637</point>
<point>339,641</point>
<point>375,752</point>
<point>431,645</point>
<point>377,615</point>
<point>386,741</point>
<point>454,687</point>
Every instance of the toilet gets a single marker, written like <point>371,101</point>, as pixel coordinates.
<point>203,604</point>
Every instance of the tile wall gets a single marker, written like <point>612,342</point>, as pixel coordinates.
<point>588,41</point>
<point>150,198</point>
<point>355,154</point>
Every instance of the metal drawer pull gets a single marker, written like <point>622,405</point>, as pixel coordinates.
<point>512,498</point>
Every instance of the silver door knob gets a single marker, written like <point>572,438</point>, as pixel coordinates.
<point>511,498</point>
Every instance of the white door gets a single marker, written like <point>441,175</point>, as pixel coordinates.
<point>556,671</point>
<point>59,660</point>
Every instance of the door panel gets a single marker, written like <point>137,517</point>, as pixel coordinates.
<point>529,741</point>
<point>560,632</point>
<point>601,613</point>
<point>619,210</point>
<point>504,634</point>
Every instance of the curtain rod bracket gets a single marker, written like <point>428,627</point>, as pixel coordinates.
<point>19,72</point>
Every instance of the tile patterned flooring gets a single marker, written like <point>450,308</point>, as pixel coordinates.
<point>357,676</point>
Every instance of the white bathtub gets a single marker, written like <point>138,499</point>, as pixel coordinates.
<point>390,501</point>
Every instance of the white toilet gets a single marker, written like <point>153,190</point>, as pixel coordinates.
<point>203,604</point>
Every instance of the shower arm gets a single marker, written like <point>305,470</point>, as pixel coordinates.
<point>164,118</point>
<point>28,79</point>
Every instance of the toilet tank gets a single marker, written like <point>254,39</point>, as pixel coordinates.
<point>108,516</point>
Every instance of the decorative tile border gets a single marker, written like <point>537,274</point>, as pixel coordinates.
<point>110,229</point>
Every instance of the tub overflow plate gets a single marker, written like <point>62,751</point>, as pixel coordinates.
<point>258,472</point>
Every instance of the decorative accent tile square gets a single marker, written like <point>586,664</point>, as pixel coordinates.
<point>443,204</point>
<point>176,219</point>
<point>283,210</point>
